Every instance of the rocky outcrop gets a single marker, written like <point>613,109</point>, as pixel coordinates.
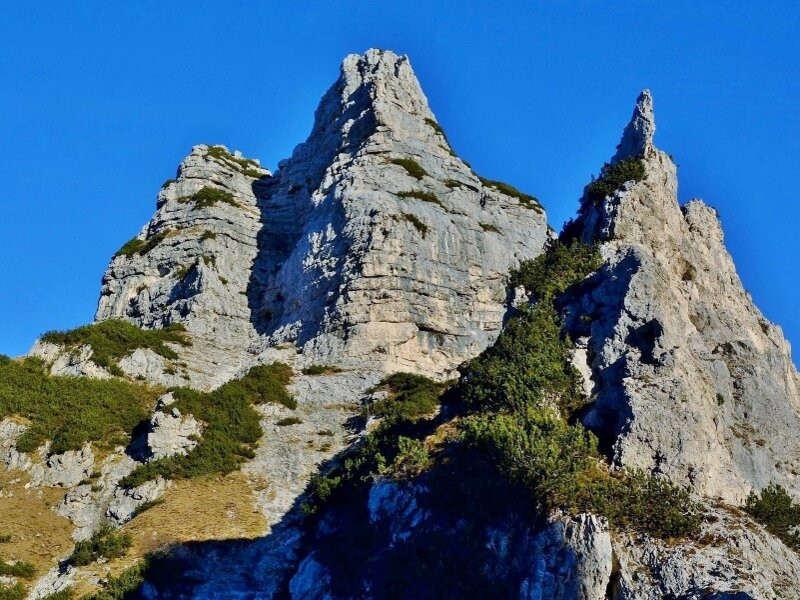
<point>127,501</point>
<point>373,246</point>
<point>171,432</point>
<point>688,378</point>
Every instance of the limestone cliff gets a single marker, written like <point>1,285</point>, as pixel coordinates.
<point>688,379</point>
<point>374,245</point>
<point>375,249</point>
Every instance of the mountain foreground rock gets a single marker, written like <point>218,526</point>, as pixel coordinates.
<point>376,374</point>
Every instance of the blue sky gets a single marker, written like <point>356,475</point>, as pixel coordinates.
<point>100,102</point>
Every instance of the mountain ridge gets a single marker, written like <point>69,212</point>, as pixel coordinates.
<point>628,348</point>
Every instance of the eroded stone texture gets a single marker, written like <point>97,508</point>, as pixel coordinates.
<point>328,254</point>
<point>689,380</point>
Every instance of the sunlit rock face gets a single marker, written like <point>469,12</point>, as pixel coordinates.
<point>689,379</point>
<point>373,246</point>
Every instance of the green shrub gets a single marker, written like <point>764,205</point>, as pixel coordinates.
<point>120,587</point>
<point>182,271</point>
<point>420,195</point>
<point>105,543</point>
<point>210,260</point>
<point>411,166</point>
<point>528,365</point>
<point>248,166</point>
<point>145,506</point>
<point>232,425</point>
<point>410,397</point>
<point>418,225</point>
<point>613,176</point>
<point>208,196</point>
<point>561,266</point>
<point>489,227</point>
<point>63,594</point>
<point>70,411</point>
<point>453,183</point>
<point>559,466</point>
<point>167,183</point>
<point>436,127</point>
<point>5,538</point>
<point>775,509</point>
<point>526,200</point>
<point>142,247</point>
<point>17,569</point>
<point>412,458</point>
<point>289,421</point>
<point>13,592</point>
<point>208,235</point>
<point>321,370</point>
<point>114,339</point>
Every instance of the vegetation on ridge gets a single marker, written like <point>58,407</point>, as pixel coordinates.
<point>411,166</point>
<point>420,195</point>
<point>208,196</point>
<point>525,200</point>
<point>107,542</point>
<point>142,247</point>
<point>70,411</point>
<point>612,176</point>
<point>512,431</point>
<point>775,509</point>
<point>248,165</point>
<point>232,426</point>
<point>115,339</point>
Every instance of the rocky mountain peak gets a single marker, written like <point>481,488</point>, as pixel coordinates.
<point>688,378</point>
<point>637,138</point>
<point>373,246</point>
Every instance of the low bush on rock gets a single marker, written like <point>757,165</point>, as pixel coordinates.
<point>121,586</point>
<point>321,370</point>
<point>775,509</point>
<point>248,165</point>
<point>420,195</point>
<point>105,543</point>
<point>208,196</point>
<point>411,166</point>
<point>142,247</point>
<point>17,569</point>
<point>70,411</point>
<point>409,397</point>
<point>416,222</point>
<point>16,591</point>
<point>526,200</point>
<point>612,176</point>
<point>232,426</point>
<point>114,339</point>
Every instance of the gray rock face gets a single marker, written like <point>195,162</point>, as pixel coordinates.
<point>196,273</point>
<point>333,254</point>
<point>125,501</point>
<point>63,470</point>
<point>732,556</point>
<point>572,560</point>
<point>689,379</point>
<point>171,433</point>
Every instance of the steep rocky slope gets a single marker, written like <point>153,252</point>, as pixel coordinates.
<point>373,246</point>
<point>612,414</point>
<point>687,376</point>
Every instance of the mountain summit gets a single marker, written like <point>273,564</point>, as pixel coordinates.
<point>373,374</point>
<point>374,244</point>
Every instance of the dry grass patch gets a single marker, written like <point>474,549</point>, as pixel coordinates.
<point>201,509</point>
<point>38,535</point>
<point>206,508</point>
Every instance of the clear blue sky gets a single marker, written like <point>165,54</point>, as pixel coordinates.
<point>100,101</point>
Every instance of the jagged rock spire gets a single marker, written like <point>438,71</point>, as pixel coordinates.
<point>638,135</point>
